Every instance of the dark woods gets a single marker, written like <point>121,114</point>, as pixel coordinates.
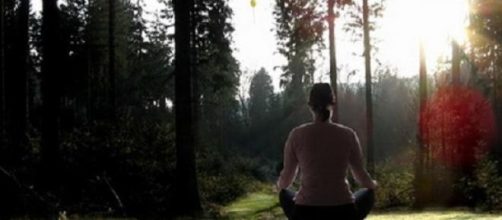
<point>86,113</point>
<point>96,119</point>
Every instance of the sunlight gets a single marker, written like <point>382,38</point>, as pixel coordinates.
<point>436,23</point>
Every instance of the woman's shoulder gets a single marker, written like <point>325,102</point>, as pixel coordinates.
<point>299,128</point>
<point>336,127</point>
<point>304,125</point>
<point>342,128</point>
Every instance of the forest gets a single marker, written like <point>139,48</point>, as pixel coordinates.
<point>110,109</point>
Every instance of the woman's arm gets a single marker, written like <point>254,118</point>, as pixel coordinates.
<point>290,167</point>
<point>357,165</point>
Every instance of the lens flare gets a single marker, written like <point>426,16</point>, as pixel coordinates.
<point>457,126</point>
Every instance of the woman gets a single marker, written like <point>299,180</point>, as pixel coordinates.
<point>323,152</point>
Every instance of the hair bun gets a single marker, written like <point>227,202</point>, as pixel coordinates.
<point>321,97</point>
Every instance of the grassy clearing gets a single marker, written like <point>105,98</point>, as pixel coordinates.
<point>434,215</point>
<point>259,205</point>
<point>263,205</point>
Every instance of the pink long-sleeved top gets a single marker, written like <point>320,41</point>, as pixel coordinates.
<point>323,152</point>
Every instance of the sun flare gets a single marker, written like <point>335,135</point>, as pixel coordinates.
<point>434,22</point>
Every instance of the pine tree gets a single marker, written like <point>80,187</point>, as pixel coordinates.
<point>485,39</point>
<point>261,93</point>
<point>216,72</point>
<point>187,195</point>
<point>299,28</point>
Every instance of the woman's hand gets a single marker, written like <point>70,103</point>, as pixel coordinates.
<point>277,188</point>
<point>374,185</point>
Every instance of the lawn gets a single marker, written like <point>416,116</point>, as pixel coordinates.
<point>264,205</point>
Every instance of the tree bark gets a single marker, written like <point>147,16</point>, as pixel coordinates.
<point>187,199</point>
<point>455,62</point>
<point>111,59</point>
<point>16,83</point>
<point>2,72</point>
<point>422,132</point>
<point>332,57</point>
<point>51,76</point>
<point>197,105</point>
<point>369,100</point>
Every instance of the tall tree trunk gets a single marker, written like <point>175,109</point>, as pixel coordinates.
<point>422,132</point>
<point>51,76</point>
<point>186,191</point>
<point>197,108</point>
<point>369,101</point>
<point>16,98</point>
<point>111,58</point>
<point>332,56</point>
<point>472,53</point>
<point>455,62</point>
<point>2,73</point>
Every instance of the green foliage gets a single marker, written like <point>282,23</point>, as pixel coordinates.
<point>136,157</point>
<point>485,39</point>
<point>299,28</point>
<point>224,176</point>
<point>221,189</point>
<point>395,111</point>
<point>264,110</point>
<point>261,94</point>
<point>395,182</point>
<point>354,12</point>
<point>482,188</point>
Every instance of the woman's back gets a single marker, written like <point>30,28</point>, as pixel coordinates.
<point>323,152</point>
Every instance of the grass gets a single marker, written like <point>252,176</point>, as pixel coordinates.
<point>434,215</point>
<point>258,205</point>
<point>263,205</point>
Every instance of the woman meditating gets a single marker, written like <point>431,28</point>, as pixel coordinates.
<point>322,152</point>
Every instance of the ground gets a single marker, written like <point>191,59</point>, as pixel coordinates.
<point>264,205</point>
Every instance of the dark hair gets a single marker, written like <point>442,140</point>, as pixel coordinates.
<point>321,96</point>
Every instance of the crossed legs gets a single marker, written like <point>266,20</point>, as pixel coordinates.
<point>364,201</point>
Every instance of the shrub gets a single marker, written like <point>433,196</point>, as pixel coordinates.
<point>395,184</point>
<point>223,176</point>
<point>483,188</point>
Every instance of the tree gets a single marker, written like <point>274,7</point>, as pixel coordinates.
<point>216,75</point>
<point>420,162</point>
<point>332,55</point>
<point>360,26</point>
<point>485,39</point>
<point>111,57</point>
<point>261,93</point>
<point>2,73</point>
<point>187,195</point>
<point>369,99</point>
<point>261,112</point>
<point>13,72</point>
<point>332,50</point>
<point>16,79</point>
<point>51,86</point>
<point>299,28</point>
<point>455,62</point>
